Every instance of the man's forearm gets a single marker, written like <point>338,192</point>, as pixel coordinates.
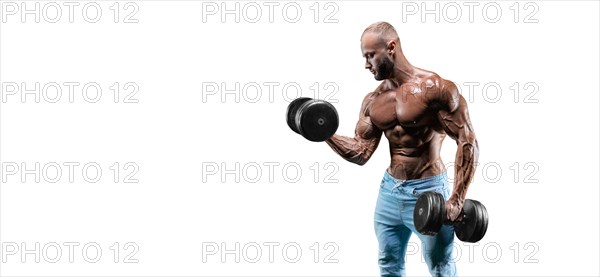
<point>467,155</point>
<point>350,149</point>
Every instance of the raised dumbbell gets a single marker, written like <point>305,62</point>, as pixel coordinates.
<point>430,214</point>
<point>316,120</point>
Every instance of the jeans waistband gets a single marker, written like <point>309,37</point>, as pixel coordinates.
<point>433,181</point>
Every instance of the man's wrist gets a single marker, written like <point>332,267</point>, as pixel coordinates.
<point>456,199</point>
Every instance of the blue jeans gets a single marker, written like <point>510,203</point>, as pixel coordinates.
<point>394,225</point>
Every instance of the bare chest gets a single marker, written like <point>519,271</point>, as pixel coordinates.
<point>395,108</point>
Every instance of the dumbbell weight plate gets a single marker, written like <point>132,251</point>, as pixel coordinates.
<point>482,222</point>
<point>466,227</point>
<point>292,110</point>
<point>317,120</point>
<point>429,213</point>
<point>440,216</point>
<point>486,219</point>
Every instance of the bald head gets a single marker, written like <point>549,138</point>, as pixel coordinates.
<point>382,30</point>
<point>380,47</point>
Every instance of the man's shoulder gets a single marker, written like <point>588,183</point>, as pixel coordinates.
<point>369,97</point>
<point>437,91</point>
<point>430,79</point>
<point>435,86</point>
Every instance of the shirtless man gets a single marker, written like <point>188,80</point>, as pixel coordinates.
<point>415,109</point>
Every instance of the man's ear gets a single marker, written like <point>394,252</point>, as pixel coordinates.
<point>391,47</point>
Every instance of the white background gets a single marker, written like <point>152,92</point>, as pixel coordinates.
<point>540,152</point>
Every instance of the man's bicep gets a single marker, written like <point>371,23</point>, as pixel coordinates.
<point>366,130</point>
<point>453,113</point>
<point>367,137</point>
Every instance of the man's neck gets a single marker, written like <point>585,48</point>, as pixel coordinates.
<point>403,71</point>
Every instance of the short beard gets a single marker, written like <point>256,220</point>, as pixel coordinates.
<point>385,69</point>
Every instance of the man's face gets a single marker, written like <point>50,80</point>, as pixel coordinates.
<point>377,59</point>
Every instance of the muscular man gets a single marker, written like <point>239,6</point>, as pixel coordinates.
<point>415,109</point>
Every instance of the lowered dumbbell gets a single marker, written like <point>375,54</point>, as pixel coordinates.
<point>316,120</point>
<point>430,214</point>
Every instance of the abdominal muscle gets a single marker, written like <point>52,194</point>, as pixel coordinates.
<point>415,157</point>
